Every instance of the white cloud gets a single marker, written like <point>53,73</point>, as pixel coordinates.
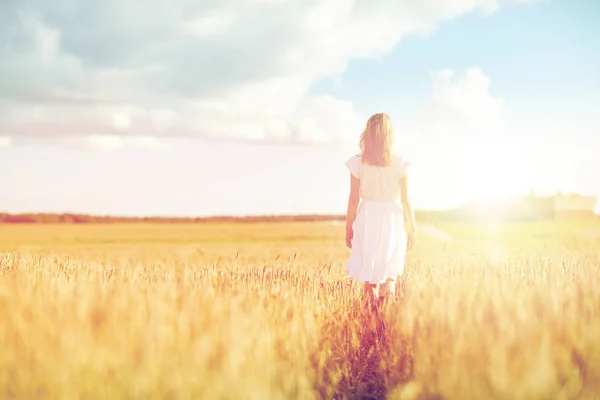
<point>462,105</point>
<point>104,142</point>
<point>108,142</point>
<point>214,23</point>
<point>236,69</point>
<point>5,141</point>
<point>459,141</point>
<point>460,110</point>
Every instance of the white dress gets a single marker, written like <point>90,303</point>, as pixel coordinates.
<point>379,240</point>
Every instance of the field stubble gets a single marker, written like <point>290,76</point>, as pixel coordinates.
<point>265,311</point>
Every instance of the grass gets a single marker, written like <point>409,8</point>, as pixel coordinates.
<point>265,311</point>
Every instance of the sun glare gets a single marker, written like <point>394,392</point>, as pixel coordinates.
<point>495,173</point>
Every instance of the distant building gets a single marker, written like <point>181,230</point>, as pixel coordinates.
<point>574,206</point>
<point>531,207</point>
<point>534,207</point>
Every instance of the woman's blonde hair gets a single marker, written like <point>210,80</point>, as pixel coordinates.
<point>376,140</point>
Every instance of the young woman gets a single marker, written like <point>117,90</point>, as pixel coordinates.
<point>381,229</point>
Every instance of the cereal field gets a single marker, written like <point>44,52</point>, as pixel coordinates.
<point>265,311</point>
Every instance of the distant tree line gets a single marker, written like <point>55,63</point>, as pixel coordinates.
<point>45,218</point>
<point>422,216</point>
<point>48,218</point>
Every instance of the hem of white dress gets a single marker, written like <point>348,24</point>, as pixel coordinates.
<point>394,277</point>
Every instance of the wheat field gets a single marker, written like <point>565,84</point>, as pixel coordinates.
<point>265,311</point>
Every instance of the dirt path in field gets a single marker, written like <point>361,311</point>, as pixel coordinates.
<point>369,354</point>
<point>435,233</point>
<point>367,377</point>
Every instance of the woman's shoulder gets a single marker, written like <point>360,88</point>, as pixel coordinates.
<point>353,164</point>
<point>402,162</point>
<point>400,157</point>
<point>355,158</point>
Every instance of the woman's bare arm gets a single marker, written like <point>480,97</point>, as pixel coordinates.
<point>409,215</point>
<point>353,201</point>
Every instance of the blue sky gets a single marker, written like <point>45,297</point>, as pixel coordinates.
<point>545,52</point>
<point>226,113</point>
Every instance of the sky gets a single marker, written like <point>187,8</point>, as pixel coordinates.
<point>187,108</point>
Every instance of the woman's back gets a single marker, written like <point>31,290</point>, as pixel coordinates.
<point>378,183</point>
